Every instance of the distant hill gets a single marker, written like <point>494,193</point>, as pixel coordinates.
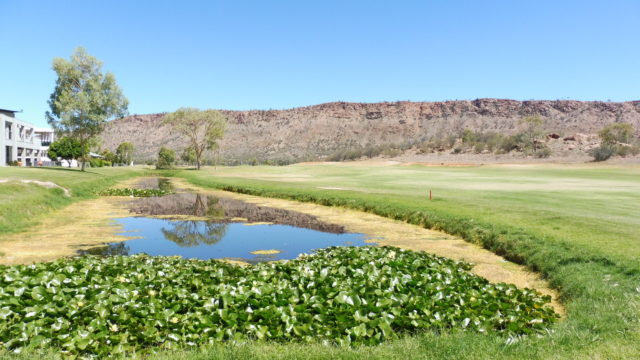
<point>311,132</point>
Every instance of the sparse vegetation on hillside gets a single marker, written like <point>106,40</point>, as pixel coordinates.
<point>316,132</point>
<point>616,139</point>
<point>529,141</point>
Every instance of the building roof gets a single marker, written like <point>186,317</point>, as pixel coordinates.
<point>7,110</point>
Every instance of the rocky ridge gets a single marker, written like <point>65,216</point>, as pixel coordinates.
<point>312,132</point>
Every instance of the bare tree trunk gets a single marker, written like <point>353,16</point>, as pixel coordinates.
<point>82,154</point>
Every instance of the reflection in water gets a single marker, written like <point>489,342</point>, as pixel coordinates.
<point>195,233</point>
<point>119,248</point>
<point>211,240</point>
<point>225,209</point>
<point>154,183</point>
<point>219,236</point>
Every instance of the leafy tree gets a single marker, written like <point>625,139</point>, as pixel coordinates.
<point>532,131</point>
<point>188,156</point>
<point>124,153</point>
<point>83,99</point>
<point>203,128</point>
<point>109,156</point>
<point>166,158</point>
<point>66,148</point>
<point>616,133</point>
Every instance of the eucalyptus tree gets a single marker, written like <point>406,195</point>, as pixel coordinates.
<point>84,98</point>
<point>203,129</point>
<point>124,153</point>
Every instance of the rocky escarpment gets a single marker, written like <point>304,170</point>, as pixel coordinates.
<point>313,131</point>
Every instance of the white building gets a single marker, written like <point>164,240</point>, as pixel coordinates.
<point>21,141</point>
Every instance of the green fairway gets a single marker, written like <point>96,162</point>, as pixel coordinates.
<point>25,204</point>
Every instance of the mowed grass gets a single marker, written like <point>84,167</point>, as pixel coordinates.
<point>597,207</point>
<point>24,205</point>
<point>575,224</point>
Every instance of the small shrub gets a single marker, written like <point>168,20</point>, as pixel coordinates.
<point>602,153</point>
<point>543,152</point>
<point>166,158</point>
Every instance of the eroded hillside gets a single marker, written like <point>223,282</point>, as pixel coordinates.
<point>315,131</point>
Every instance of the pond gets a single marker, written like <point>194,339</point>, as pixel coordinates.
<point>200,226</point>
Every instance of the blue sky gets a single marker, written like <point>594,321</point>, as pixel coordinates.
<point>282,54</point>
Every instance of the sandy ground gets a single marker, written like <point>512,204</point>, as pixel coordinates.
<point>88,224</point>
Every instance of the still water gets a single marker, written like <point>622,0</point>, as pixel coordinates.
<point>215,240</point>
<point>206,227</point>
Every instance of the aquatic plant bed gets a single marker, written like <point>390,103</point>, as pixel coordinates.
<point>344,295</point>
<point>134,192</point>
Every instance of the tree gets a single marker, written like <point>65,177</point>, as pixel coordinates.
<point>615,133</point>
<point>83,99</point>
<point>188,156</point>
<point>109,156</point>
<point>203,128</point>
<point>65,148</point>
<point>532,130</point>
<point>166,158</point>
<point>124,153</point>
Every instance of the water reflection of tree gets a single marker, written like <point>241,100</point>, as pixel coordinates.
<point>165,184</point>
<point>207,206</point>
<point>194,233</point>
<point>118,248</point>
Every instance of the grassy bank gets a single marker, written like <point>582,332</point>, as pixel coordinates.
<point>575,225</point>
<point>23,205</point>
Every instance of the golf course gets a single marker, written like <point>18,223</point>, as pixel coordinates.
<point>573,225</point>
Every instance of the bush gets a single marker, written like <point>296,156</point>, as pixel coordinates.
<point>543,152</point>
<point>602,153</point>
<point>479,147</point>
<point>616,133</point>
<point>166,158</point>
<point>96,163</point>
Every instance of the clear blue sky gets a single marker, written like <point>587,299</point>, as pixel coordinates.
<point>282,54</point>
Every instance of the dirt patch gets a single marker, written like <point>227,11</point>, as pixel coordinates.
<point>86,224</point>
<point>385,231</point>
